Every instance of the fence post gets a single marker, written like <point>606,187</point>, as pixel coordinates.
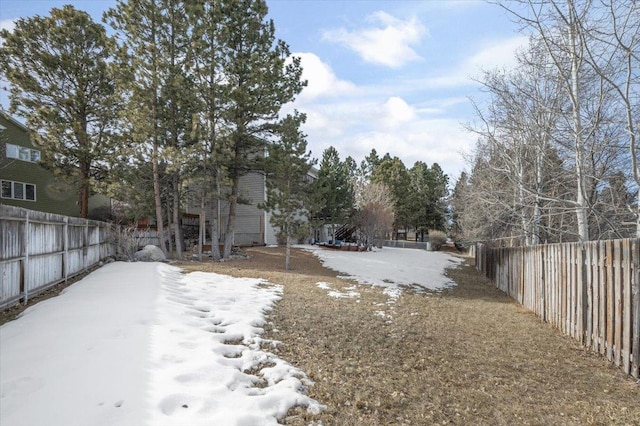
<point>543,285</point>
<point>65,256</point>
<point>25,271</point>
<point>635,335</point>
<point>99,244</point>
<point>586,300</point>
<point>85,244</point>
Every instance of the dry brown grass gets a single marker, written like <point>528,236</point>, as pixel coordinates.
<point>468,355</point>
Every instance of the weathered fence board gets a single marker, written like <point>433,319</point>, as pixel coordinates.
<point>589,291</point>
<point>38,250</point>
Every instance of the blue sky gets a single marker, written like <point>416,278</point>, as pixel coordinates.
<point>391,75</point>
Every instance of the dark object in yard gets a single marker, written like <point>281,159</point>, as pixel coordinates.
<point>460,247</point>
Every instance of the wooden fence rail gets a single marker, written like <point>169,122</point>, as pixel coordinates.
<point>39,250</point>
<point>590,291</point>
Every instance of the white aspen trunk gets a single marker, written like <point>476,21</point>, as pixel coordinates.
<point>521,202</point>
<point>537,206</point>
<point>580,168</point>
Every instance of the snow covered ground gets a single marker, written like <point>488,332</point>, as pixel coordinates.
<point>391,268</point>
<point>143,344</point>
<point>140,343</point>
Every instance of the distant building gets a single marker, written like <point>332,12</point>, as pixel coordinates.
<point>253,225</point>
<point>25,183</point>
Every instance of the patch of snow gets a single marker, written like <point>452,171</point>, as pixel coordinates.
<point>324,286</point>
<point>384,315</point>
<point>390,268</point>
<point>338,294</point>
<point>140,343</point>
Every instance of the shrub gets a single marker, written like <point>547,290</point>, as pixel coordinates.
<point>437,239</point>
<point>125,240</point>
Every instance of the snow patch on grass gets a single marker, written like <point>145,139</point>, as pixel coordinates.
<point>338,294</point>
<point>393,269</point>
<point>141,343</point>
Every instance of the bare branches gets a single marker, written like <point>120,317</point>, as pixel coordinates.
<point>552,136</point>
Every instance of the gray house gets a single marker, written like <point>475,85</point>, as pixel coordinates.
<point>253,226</point>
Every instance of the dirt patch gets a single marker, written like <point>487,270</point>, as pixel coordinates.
<point>467,355</point>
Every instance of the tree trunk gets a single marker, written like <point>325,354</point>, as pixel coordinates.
<point>202,231</point>
<point>177,229</point>
<point>156,148</point>
<point>215,222</point>
<point>83,193</point>
<point>287,254</point>
<point>157,198</point>
<point>169,227</point>
<point>537,207</point>
<point>581,178</point>
<point>231,220</point>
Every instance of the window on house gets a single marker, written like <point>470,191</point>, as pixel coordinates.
<point>7,189</point>
<point>30,192</point>
<point>23,153</point>
<point>18,190</point>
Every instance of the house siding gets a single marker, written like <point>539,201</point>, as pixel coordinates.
<point>52,195</point>
<point>252,228</point>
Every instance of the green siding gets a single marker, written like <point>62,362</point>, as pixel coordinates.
<point>52,195</point>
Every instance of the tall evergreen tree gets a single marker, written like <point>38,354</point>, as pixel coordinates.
<point>260,77</point>
<point>426,202</point>
<point>62,82</point>
<point>138,25</point>
<point>394,175</point>
<point>287,167</point>
<point>333,190</point>
<point>157,36</point>
<point>209,84</point>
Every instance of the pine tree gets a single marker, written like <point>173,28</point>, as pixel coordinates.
<point>260,78</point>
<point>287,167</point>
<point>157,37</point>
<point>393,173</point>
<point>62,82</point>
<point>333,190</point>
<point>209,84</point>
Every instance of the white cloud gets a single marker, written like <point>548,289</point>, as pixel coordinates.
<point>397,112</point>
<point>498,54</point>
<point>356,126</point>
<point>7,24</point>
<point>387,43</point>
<point>439,141</point>
<point>322,82</point>
<point>495,54</point>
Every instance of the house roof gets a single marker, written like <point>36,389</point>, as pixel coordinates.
<point>13,121</point>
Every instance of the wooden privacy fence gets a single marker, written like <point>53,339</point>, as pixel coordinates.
<point>590,291</point>
<point>39,250</point>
